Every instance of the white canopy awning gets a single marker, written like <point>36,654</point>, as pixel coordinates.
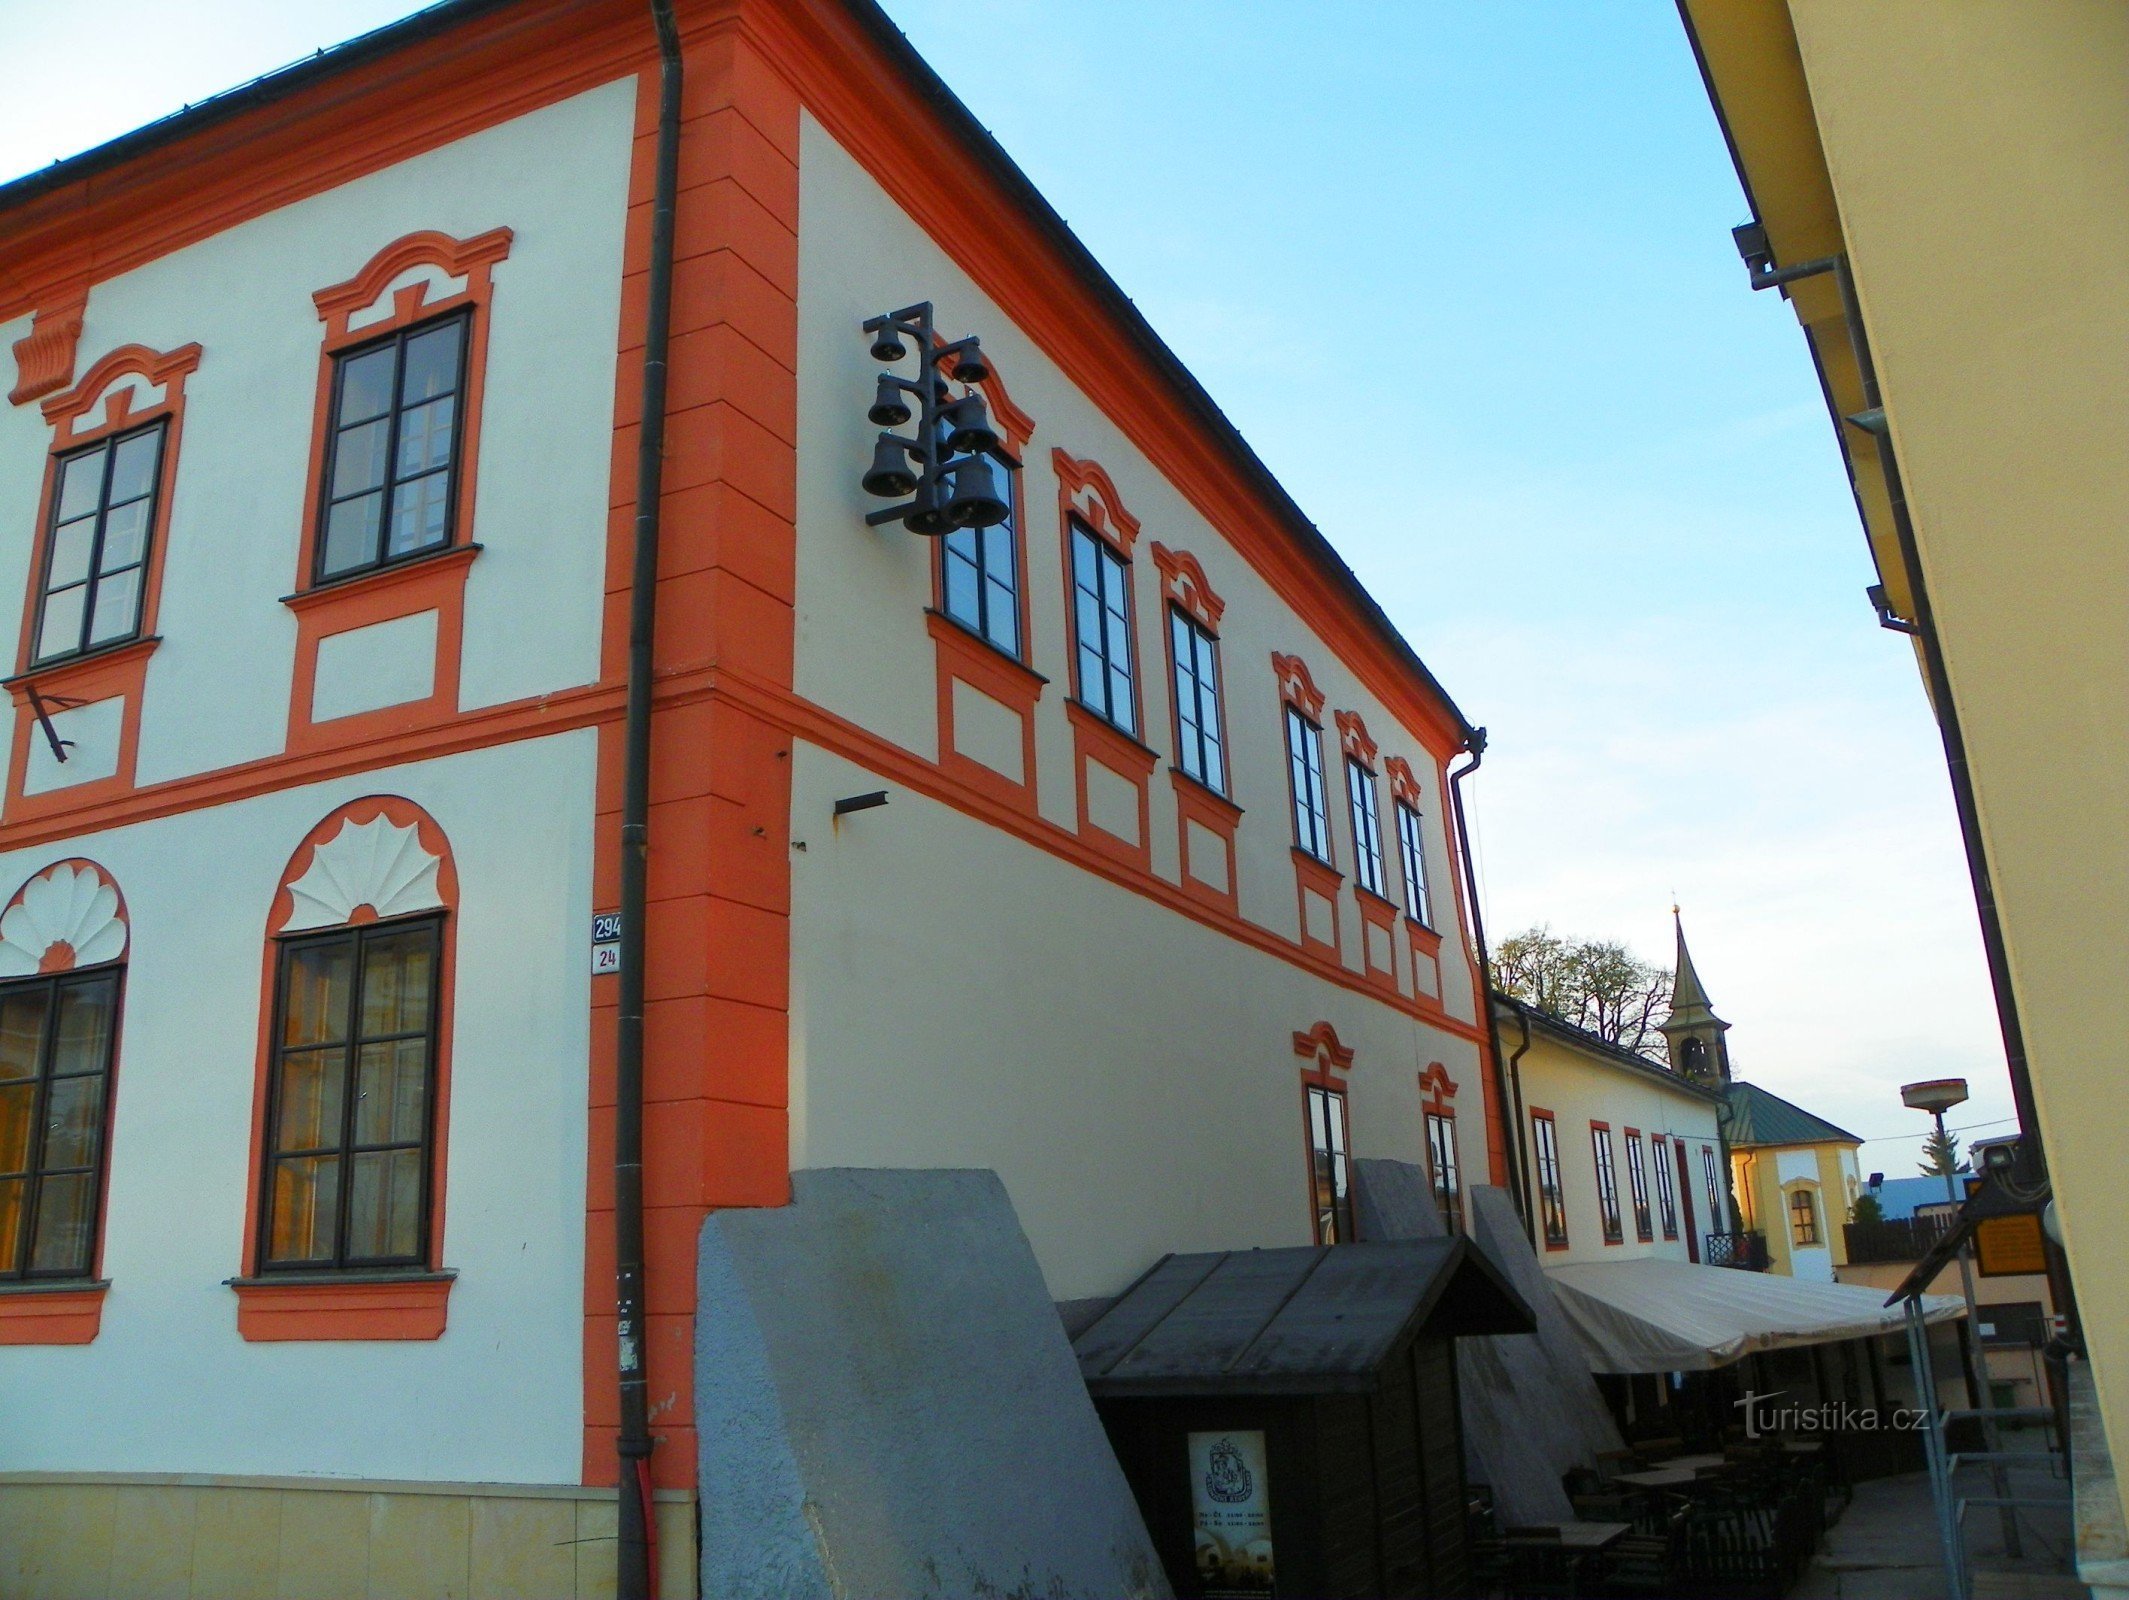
<point>1651,1315</point>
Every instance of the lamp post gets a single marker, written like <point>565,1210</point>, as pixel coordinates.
<point>1937,1096</point>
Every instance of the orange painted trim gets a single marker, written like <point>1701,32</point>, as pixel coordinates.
<point>66,1314</point>
<point>1379,913</point>
<point>68,413</point>
<point>117,673</point>
<point>59,955</point>
<point>1184,585</point>
<point>1298,689</point>
<point>1095,739</point>
<point>1319,1042</point>
<point>1327,1057</point>
<point>961,656</point>
<point>1437,1089</point>
<point>1313,877</point>
<point>1404,784</point>
<point>44,357</point>
<point>471,259</point>
<point>1086,491</point>
<point>1353,739</point>
<point>434,582</point>
<point>1220,816</point>
<point>402,813</point>
<point>269,1313</point>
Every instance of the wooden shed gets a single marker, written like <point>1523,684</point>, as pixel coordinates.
<point>1288,1419</point>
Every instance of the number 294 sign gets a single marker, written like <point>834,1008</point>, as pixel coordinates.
<point>605,942</point>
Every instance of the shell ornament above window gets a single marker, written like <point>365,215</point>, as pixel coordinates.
<point>379,864</point>
<point>66,917</point>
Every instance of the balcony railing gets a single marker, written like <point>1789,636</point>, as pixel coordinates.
<point>1747,1251</point>
<point>1904,1239</point>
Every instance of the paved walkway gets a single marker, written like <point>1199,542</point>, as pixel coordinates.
<point>1885,1548</point>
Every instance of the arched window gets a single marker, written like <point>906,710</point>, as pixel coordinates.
<point>361,958</point>
<point>63,944</point>
<point>1803,1217</point>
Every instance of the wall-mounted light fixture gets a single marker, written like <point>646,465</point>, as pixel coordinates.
<point>944,465</point>
<point>860,802</point>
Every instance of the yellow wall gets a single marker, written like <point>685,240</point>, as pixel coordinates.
<point>80,1535</point>
<point>1978,155</point>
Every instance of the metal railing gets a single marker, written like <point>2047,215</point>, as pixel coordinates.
<point>1747,1251</point>
<point>1902,1239</point>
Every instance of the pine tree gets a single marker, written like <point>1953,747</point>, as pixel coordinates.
<point>1940,1154</point>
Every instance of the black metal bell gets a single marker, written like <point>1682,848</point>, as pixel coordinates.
<point>888,346</point>
<point>890,475</point>
<point>975,502</point>
<point>969,365</point>
<point>890,403</point>
<point>968,425</point>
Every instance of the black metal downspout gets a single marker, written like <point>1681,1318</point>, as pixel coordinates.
<point>1475,743</point>
<point>634,1569</point>
<point>1520,1128</point>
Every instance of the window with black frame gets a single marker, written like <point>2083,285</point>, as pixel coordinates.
<point>1600,1146</point>
<point>1666,1196</point>
<point>56,1039</point>
<point>350,1120</point>
<point>1101,627</point>
<point>393,447</point>
<point>1412,852</point>
<point>1637,1186</point>
<point>1312,807</point>
<point>1327,1165</point>
<point>979,572</point>
<point>1552,1204</point>
<point>1446,1179</point>
<point>1197,701</point>
<point>1718,1213</point>
<point>1367,828</point>
<point>96,547</point>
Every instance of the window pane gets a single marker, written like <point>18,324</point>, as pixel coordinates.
<point>63,1207</point>
<point>133,472</point>
<point>1215,773</point>
<point>73,1115</point>
<point>432,364</point>
<point>998,553</point>
<point>391,1093</point>
<point>366,385</point>
<point>358,457</point>
<point>1112,585</point>
<point>62,622</point>
<point>80,484</point>
<point>312,1082</point>
<point>395,983</point>
<point>315,992</point>
<point>1002,616</point>
<point>12,1193</point>
<point>306,1200</point>
<point>18,1105</point>
<point>22,1014</point>
<point>418,513</point>
<point>384,1205</point>
<point>425,437</point>
<point>83,1043</point>
<point>351,530</point>
<point>1121,710</point>
<point>71,543</point>
<point>117,607</point>
<point>125,537</point>
<point>962,585</point>
<point>1083,574</point>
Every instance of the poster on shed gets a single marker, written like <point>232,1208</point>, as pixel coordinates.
<point>1230,1496</point>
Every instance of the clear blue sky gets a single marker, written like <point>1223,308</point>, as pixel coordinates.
<point>1462,274</point>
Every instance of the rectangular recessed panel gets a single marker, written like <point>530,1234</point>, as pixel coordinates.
<point>367,669</point>
<point>94,729</point>
<point>1319,917</point>
<point>1112,802</point>
<point>988,732</point>
<point>1208,856</point>
<point>1380,958</point>
<point>1427,973</point>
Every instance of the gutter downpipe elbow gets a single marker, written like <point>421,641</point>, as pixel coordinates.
<point>1521,1147</point>
<point>635,1555</point>
<point>1475,743</point>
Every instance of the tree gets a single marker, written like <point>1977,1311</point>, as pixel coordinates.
<point>1940,1155</point>
<point>1596,984</point>
<point>1866,1209</point>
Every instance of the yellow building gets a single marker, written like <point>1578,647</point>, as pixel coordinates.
<point>1795,1178</point>
<point>1937,190</point>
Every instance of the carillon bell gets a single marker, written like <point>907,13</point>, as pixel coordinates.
<point>890,403</point>
<point>890,474</point>
<point>888,346</point>
<point>975,502</point>
<point>969,365</point>
<point>968,425</point>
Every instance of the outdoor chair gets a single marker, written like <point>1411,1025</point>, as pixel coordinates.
<point>1646,1563</point>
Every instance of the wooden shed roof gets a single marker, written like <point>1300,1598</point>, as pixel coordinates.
<point>1307,1320</point>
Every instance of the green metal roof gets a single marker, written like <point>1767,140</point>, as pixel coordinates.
<point>1759,1117</point>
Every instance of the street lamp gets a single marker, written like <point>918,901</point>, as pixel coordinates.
<point>1937,1096</point>
<point>944,464</point>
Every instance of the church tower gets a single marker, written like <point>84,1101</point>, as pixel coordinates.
<point>1693,1033</point>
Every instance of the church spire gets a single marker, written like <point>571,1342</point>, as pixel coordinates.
<point>1693,1033</point>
